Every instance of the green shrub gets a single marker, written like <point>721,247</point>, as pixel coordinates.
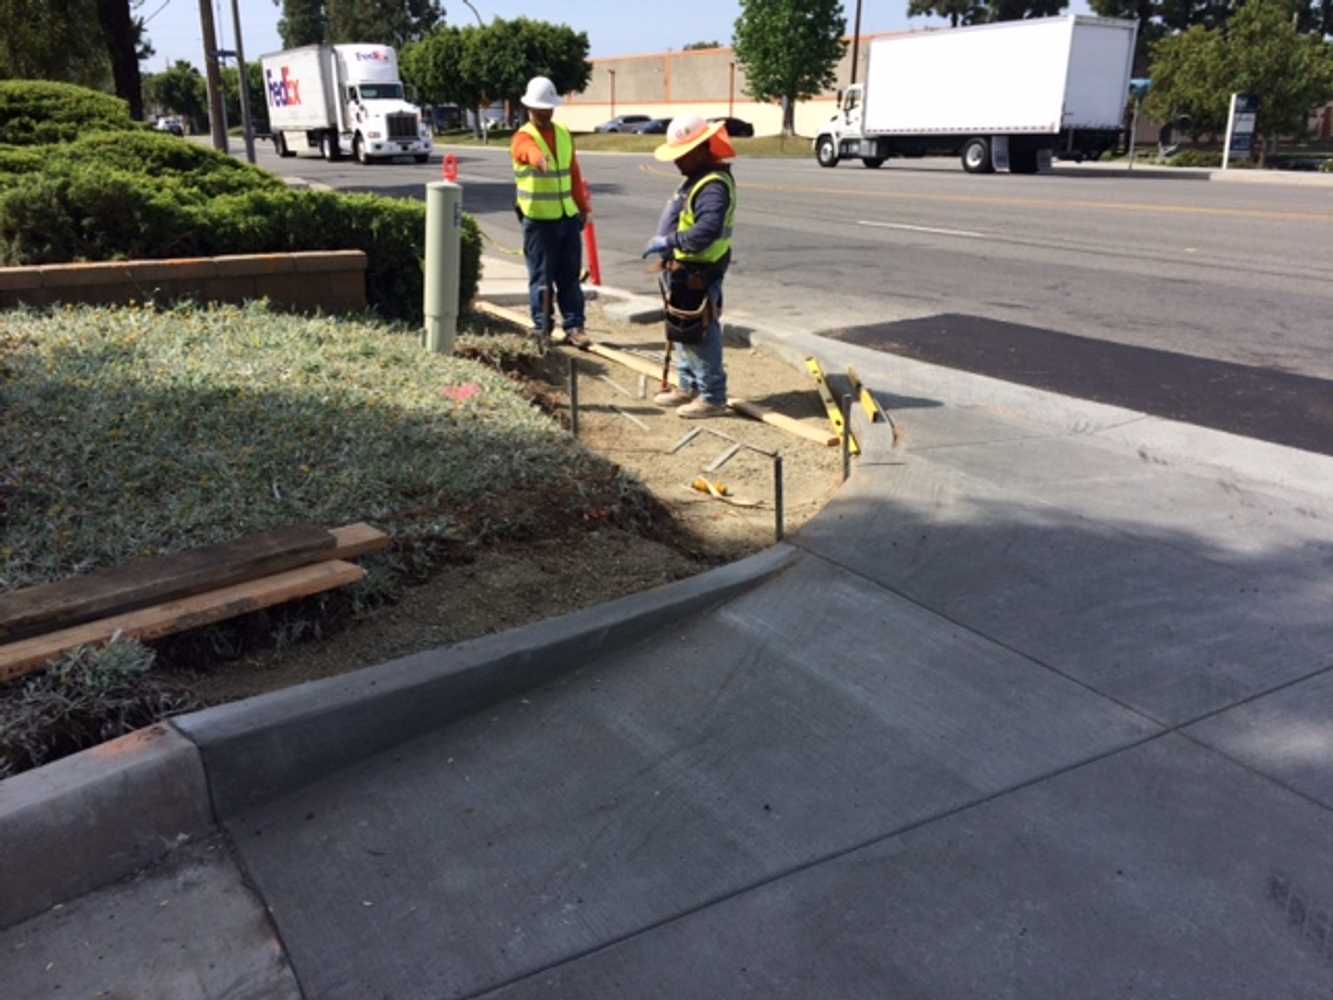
<point>1196,158</point>
<point>162,155</point>
<point>87,697</point>
<point>33,112</point>
<point>85,211</point>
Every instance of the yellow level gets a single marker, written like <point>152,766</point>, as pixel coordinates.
<point>868,402</point>
<point>831,405</point>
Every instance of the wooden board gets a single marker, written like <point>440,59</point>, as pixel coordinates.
<point>654,371</point>
<point>356,540</point>
<point>27,655</point>
<point>142,582</point>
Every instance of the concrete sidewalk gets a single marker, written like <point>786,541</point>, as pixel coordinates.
<point>1043,708</point>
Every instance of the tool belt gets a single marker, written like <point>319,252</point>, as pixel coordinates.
<point>686,303</point>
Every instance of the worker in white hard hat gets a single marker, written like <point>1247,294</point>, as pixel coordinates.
<point>552,204</point>
<point>694,242</point>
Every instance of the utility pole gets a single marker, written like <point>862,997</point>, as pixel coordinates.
<point>243,82</point>
<point>215,110</point>
<point>856,40</point>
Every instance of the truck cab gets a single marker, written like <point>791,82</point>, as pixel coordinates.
<point>338,99</point>
<point>375,118</point>
<point>841,135</point>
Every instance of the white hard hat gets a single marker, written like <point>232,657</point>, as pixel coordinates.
<point>541,94</point>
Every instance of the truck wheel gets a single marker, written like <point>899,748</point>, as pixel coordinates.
<point>280,144</point>
<point>872,162</point>
<point>976,156</point>
<point>328,147</point>
<point>826,153</point>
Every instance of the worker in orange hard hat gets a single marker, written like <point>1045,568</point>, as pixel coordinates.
<point>694,240</point>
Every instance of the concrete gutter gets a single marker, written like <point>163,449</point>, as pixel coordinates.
<point>1290,178</point>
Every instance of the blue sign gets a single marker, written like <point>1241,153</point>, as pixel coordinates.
<point>1244,113</point>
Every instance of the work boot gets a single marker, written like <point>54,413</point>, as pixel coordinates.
<point>577,338</point>
<point>559,336</point>
<point>673,397</point>
<point>700,408</point>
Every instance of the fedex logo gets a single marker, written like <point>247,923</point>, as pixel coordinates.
<point>379,55</point>
<point>285,92</point>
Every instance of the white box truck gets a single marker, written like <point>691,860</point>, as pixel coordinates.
<point>1001,96</point>
<point>336,99</point>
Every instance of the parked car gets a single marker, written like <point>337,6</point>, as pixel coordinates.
<point>622,123</point>
<point>166,123</point>
<point>736,128</point>
<point>653,126</point>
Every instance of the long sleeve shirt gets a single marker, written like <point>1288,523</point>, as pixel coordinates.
<point>710,214</point>
<point>525,151</point>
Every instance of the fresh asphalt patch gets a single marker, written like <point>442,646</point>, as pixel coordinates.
<point>1275,406</point>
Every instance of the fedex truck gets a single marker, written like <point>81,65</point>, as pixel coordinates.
<point>342,99</point>
<point>999,96</point>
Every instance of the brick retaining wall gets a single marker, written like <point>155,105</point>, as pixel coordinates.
<point>328,281</point>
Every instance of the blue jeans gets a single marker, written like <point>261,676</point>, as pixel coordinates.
<point>554,252</point>
<point>700,365</point>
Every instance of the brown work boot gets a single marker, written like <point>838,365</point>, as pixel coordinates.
<point>701,408</point>
<point>577,338</point>
<point>673,397</point>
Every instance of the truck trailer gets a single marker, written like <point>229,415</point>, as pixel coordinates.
<point>339,99</point>
<point>999,96</point>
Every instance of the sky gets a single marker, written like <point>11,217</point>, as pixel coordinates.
<point>621,28</point>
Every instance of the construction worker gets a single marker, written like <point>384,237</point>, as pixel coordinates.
<point>552,204</point>
<point>694,241</point>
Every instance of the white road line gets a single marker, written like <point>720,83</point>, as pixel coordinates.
<point>922,229</point>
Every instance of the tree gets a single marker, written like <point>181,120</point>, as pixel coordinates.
<point>1189,81</point>
<point>1265,55</point>
<point>303,22</point>
<point>701,45</point>
<point>392,22</point>
<point>231,95</point>
<point>790,50</point>
<point>1147,13</point>
<point>1260,52</point>
<point>180,90</point>
<point>50,40</point>
<point>435,66</point>
<point>957,11</point>
<point>124,35</point>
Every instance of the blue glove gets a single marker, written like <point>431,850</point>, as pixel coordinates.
<point>657,245</point>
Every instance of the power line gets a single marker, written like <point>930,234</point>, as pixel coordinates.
<point>165,5</point>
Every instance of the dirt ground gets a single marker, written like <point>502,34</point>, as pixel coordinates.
<point>514,584</point>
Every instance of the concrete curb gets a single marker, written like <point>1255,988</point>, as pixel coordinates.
<point>257,749</point>
<point>93,818</point>
<point>90,819</point>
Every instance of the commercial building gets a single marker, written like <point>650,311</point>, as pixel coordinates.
<point>709,81</point>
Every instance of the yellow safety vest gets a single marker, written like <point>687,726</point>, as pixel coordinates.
<point>722,245</point>
<point>548,196</point>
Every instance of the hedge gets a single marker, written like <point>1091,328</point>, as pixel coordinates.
<point>109,196</point>
<point>36,111</point>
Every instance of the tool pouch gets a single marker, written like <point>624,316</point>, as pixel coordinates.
<point>686,303</point>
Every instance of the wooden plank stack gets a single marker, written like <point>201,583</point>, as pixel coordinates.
<point>151,598</point>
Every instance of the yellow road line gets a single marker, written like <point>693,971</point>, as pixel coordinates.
<point>1046,203</point>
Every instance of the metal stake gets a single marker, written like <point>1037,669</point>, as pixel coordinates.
<point>777,496</point>
<point>846,438</point>
<point>574,397</point>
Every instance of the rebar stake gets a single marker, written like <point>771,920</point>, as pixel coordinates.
<point>777,497</point>
<point>574,397</point>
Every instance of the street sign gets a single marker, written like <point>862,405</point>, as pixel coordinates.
<point>1240,128</point>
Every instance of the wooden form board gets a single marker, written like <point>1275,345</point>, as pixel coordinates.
<point>27,655</point>
<point>142,582</point>
<point>654,371</point>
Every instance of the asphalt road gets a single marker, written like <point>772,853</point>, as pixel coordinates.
<point>1241,273</point>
